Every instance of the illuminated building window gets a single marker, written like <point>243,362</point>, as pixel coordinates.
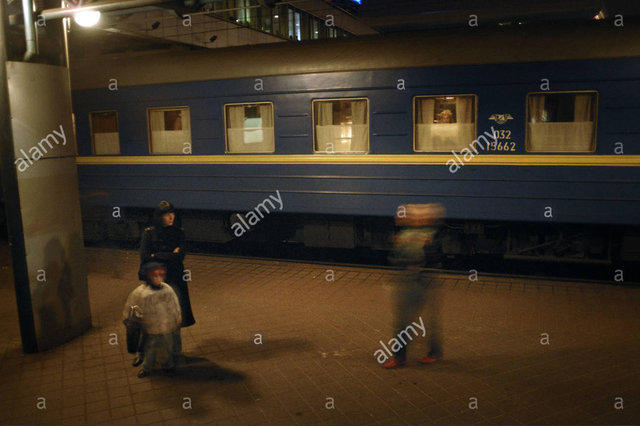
<point>291,25</point>
<point>297,26</point>
<point>283,20</point>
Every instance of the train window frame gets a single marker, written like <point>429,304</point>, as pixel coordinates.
<point>169,108</point>
<point>226,134</point>
<point>414,121</point>
<point>313,125</point>
<point>594,142</point>
<point>91,132</point>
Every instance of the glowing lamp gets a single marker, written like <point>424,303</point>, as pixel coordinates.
<point>87,19</point>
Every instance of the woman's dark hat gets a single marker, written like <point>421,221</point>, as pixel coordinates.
<point>164,207</point>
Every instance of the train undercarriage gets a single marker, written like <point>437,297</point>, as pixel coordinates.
<point>575,243</point>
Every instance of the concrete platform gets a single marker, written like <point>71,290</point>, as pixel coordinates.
<point>318,341</point>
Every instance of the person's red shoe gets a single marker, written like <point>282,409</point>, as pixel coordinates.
<point>427,360</point>
<point>394,364</point>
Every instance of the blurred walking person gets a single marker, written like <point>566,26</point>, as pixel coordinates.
<point>416,289</point>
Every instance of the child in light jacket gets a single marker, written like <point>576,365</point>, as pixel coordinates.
<point>157,308</point>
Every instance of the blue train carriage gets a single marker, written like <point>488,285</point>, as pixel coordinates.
<point>529,136</point>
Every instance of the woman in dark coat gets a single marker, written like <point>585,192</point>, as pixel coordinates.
<point>164,242</point>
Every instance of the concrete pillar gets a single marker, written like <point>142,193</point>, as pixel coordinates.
<point>40,183</point>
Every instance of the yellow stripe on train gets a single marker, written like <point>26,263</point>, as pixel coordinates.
<point>400,159</point>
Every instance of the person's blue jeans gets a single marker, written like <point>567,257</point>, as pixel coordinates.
<point>417,293</point>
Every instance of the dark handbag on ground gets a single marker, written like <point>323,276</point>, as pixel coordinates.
<point>134,330</point>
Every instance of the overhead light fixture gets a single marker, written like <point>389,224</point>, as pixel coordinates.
<point>276,16</point>
<point>87,19</point>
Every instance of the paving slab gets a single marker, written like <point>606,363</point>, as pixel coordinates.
<point>279,343</point>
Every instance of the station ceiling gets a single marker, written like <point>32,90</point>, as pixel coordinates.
<point>162,26</point>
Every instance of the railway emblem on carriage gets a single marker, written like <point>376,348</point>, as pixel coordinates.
<point>501,118</point>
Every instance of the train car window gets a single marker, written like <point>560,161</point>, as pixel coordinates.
<point>341,125</point>
<point>561,121</point>
<point>169,130</point>
<point>104,132</point>
<point>249,128</point>
<point>444,123</point>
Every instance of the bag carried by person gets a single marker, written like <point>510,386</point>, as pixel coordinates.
<point>133,327</point>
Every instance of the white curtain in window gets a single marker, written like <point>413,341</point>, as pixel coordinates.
<point>561,136</point>
<point>359,112</point>
<point>360,139</point>
<point>536,108</point>
<point>186,122</point>
<point>576,136</point>
<point>360,129</point>
<point>242,138</point>
<point>464,109</point>
<point>106,143</point>
<point>235,116</point>
<point>444,137</point>
<point>344,138</point>
<point>156,122</point>
<point>169,141</point>
<point>235,128</point>
<point>332,137</point>
<point>325,113</point>
<point>324,132</point>
<point>426,109</point>
<point>266,114</point>
<point>582,105</point>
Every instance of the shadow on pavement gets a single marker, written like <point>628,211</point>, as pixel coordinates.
<point>207,372</point>
<point>201,379</point>
<point>245,350</point>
